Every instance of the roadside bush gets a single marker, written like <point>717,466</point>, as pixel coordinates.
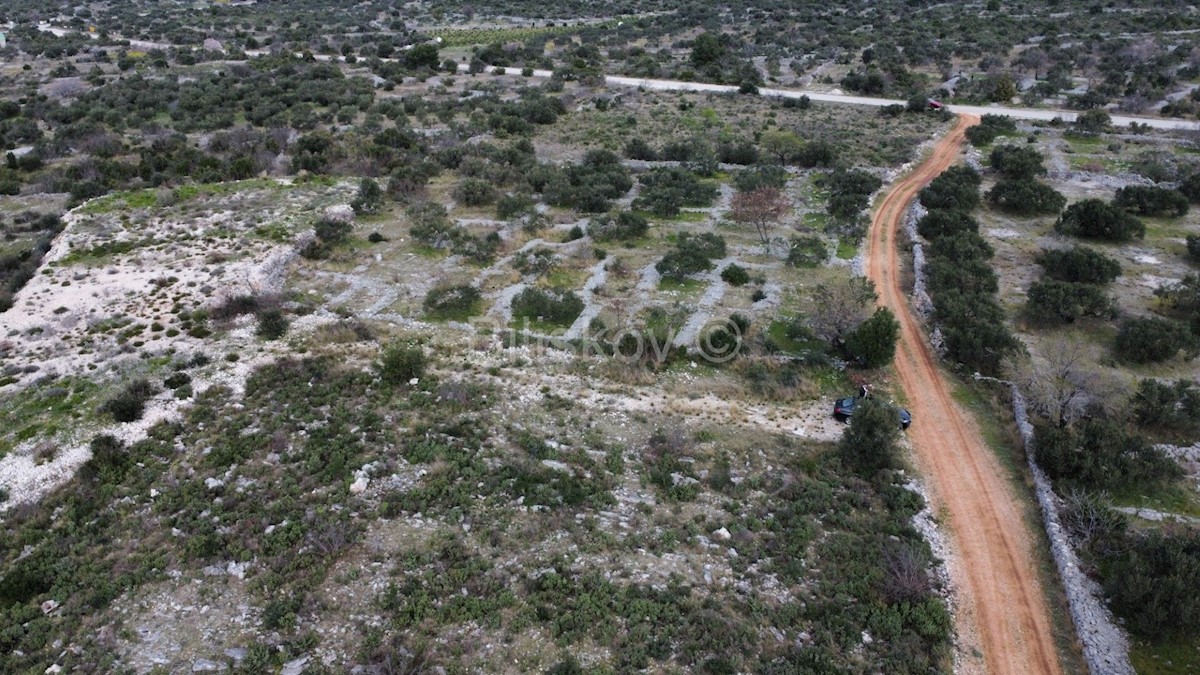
<point>807,251</point>
<point>955,188</point>
<point>452,302</point>
<point>989,128</point>
<point>401,362</point>
<point>1026,197</point>
<point>620,227</point>
<point>1148,200</point>
<point>1150,340</point>
<point>129,404</point>
<point>849,192</point>
<point>870,443</point>
<point>973,330</point>
<point>1079,264</point>
<point>873,342</point>
<point>1052,303</point>
<point>963,245</point>
<point>735,275</point>
<point>943,223</point>
<point>1100,454</point>
<point>272,324</point>
<point>552,307</point>
<point>1094,219</point>
<point>974,277</point>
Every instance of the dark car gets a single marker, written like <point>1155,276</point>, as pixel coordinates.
<point>843,408</point>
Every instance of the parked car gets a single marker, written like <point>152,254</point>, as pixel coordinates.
<point>843,408</point>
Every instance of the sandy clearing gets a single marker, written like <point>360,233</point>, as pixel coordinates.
<point>1001,604</point>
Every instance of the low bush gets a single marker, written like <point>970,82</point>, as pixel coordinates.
<point>871,443</point>
<point>873,342</point>
<point>1171,406</point>
<point>1150,340</point>
<point>452,302</point>
<point>1057,302</point>
<point>1094,219</point>
<point>401,362</point>
<point>547,306</point>
<point>942,223</point>
<point>956,188</point>
<point>1079,264</point>
<point>622,226</point>
<point>1017,162</point>
<point>1149,200</point>
<point>272,324</point>
<point>1026,197</point>
<point>735,275</point>
<point>129,404</point>
<point>1100,454</point>
<point>807,251</point>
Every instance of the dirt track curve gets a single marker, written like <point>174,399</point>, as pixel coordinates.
<point>1001,609</point>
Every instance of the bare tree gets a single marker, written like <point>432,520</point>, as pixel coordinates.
<point>839,308</point>
<point>1062,384</point>
<point>762,208</point>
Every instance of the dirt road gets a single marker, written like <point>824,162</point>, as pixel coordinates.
<point>1002,612</point>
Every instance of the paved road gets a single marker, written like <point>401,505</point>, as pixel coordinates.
<point>1045,114</point>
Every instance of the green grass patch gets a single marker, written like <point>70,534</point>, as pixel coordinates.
<point>47,410</point>
<point>1167,657</point>
<point>816,220</point>
<point>101,252</point>
<point>846,249</point>
<point>685,285</point>
<point>1178,498</point>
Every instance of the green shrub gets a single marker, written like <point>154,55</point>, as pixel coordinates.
<point>452,302</point>
<point>369,198</point>
<point>1079,264</point>
<point>511,206</point>
<point>1148,200</point>
<point>756,177</point>
<point>401,362</point>
<point>962,245</point>
<point>1094,219</point>
<point>871,443</point>
<point>1151,581</point>
<point>1171,406</point>
<point>1100,454</point>
<point>1059,302</point>
<point>735,275</point>
<point>129,404</point>
<point>332,231</point>
<point>1193,247</point>
<point>475,192</point>
<point>942,223</point>
<point>1017,162</point>
<point>807,251</point>
<point>272,324</point>
<point>1150,340</point>
<point>955,188</point>
<point>1026,197</point>
<point>548,306</point>
<point>620,227</point>
<point>873,342</point>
